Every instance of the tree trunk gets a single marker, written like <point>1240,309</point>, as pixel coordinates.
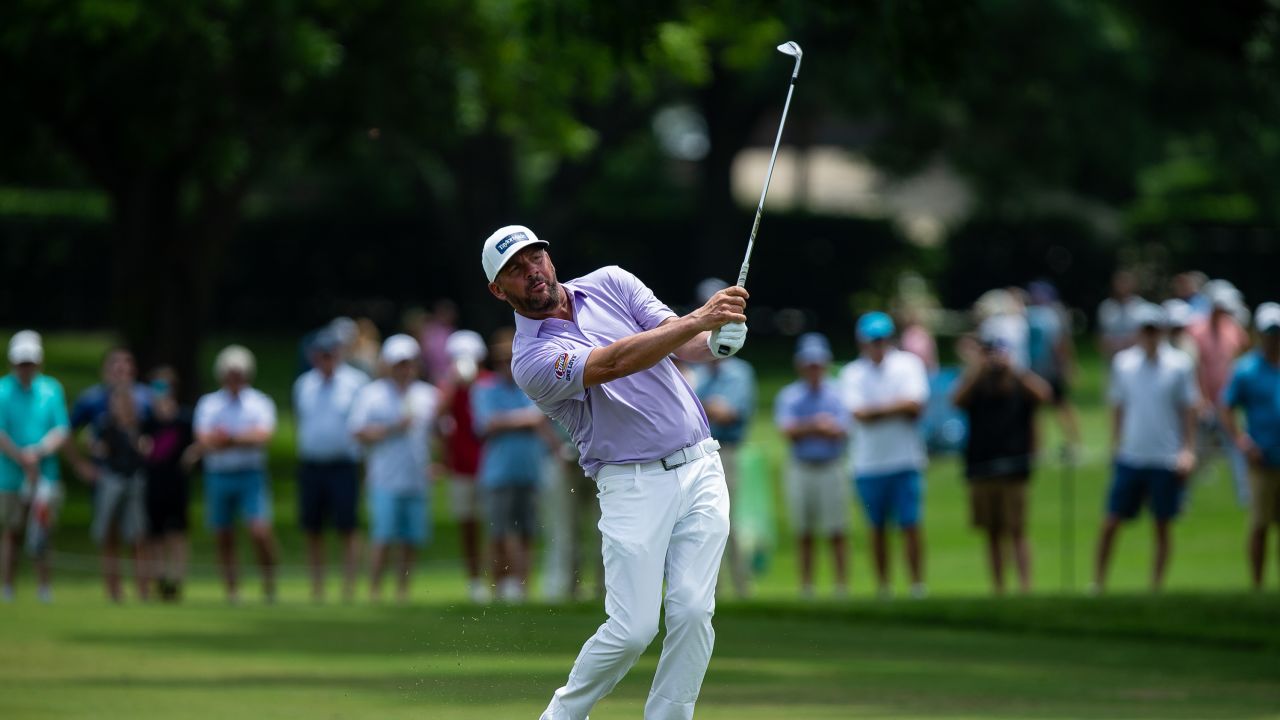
<point>163,274</point>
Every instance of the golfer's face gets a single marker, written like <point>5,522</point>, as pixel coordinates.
<point>528,282</point>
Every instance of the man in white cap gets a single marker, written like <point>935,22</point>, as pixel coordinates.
<point>33,426</point>
<point>233,425</point>
<point>1153,398</point>
<point>1255,388</point>
<point>393,417</point>
<point>594,354</point>
<point>466,350</point>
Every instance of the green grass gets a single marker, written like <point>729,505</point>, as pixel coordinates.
<point>1168,657</point>
<point>1204,650</point>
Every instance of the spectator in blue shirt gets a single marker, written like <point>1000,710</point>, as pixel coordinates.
<point>727,389</point>
<point>1255,388</point>
<point>811,413</point>
<point>513,431</point>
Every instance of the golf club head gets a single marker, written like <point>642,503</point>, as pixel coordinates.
<point>792,49</point>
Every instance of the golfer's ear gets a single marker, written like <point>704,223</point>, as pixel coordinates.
<point>497,291</point>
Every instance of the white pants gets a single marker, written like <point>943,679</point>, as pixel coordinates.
<point>654,524</point>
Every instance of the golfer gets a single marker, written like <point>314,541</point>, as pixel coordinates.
<point>594,354</point>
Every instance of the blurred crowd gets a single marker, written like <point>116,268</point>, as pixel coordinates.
<point>379,420</point>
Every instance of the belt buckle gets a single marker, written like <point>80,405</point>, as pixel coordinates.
<point>684,459</point>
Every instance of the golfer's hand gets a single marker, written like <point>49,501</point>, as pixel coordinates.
<point>727,340</point>
<point>727,306</point>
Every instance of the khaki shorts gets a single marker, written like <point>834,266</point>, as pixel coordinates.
<point>818,496</point>
<point>12,512</point>
<point>998,505</point>
<point>1265,482</point>
<point>464,498</point>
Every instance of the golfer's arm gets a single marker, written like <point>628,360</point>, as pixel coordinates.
<point>8,447</point>
<point>963,394</point>
<point>639,352</point>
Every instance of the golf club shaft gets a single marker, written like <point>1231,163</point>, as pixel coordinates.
<point>755,225</point>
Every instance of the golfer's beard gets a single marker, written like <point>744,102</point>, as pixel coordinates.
<point>544,303</point>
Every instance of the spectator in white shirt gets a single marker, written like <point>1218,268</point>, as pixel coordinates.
<point>1153,398</point>
<point>1117,328</point>
<point>234,425</point>
<point>885,390</point>
<point>392,417</point>
<point>328,458</point>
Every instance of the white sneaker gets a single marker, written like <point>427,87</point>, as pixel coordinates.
<point>45,594</point>
<point>6,595</point>
<point>478,592</point>
<point>509,590</point>
<point>919,591</point>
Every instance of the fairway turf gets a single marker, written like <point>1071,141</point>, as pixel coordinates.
<point>1170,657</point>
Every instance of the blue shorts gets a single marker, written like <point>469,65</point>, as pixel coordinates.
<point>397,517</point>
<point>243,493</point>
<point>895,495</point>
<point>1131,485</point>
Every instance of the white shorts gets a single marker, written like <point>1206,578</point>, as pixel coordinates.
<point>464,498</point>
<point>818,497</point>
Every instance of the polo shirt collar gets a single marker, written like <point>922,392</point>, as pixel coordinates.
<point>529,326</point>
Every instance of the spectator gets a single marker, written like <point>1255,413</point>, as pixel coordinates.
<point>727,389</point>
<point>811,414</point>
<point>466,350</point>
<point>33,425</point>
<point>1255,388</point>
<point>1116,326</point>
<point>233,426</point>
<point>90,409</point>
<point>885,390</point>
<point>1220,339</point>
<point>511,461</point>
<point>1052,353</point>
<point>1178,317</point>
<point>119,513</point>
<point>1186,288</point>
<point>328,459</point>
<point>168,494</point>
<point>434,339</point>
<point>362,353</point>
<point>916,338</point>
<point>567,504</point>
<point>1153,398</point>
<point>392,417</point>
<point>1001,401</point>
<point>1002,314</point>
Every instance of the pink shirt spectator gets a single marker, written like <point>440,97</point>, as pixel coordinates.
<point>1219,340</point>
<point>917,341</point>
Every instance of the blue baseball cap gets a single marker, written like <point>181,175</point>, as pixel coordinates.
<point>874,326</point>
<point>812,348</point>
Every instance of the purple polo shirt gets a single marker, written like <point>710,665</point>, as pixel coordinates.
<point>638,418</point>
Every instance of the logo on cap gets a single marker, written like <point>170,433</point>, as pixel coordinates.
<point>510,240</point>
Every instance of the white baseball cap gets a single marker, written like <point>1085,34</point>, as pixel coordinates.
<point>399,348</point>
<point>1267,316</point>
<point>465,344</point>
<point>234,358</point>
<point>503,244</point>
<point>1149,314</point>
<point>25,347</point>
<point>1177,313</point>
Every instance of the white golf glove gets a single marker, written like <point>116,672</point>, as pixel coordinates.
<point>727,340</point>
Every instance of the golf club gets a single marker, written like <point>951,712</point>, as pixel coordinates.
<point>786,48</point>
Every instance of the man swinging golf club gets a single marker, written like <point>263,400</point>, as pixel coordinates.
<point>594,353</point>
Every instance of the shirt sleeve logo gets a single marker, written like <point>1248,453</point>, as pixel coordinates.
<point>564,366</point>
